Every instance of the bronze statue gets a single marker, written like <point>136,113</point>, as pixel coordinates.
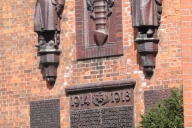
<point>47,22</point>
<point>47,26</point>
<point>146,15</point>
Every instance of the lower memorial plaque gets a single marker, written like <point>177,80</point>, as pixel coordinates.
<point>116,117</point>
<point>45,114</point>
<point>102,107</point>
<point>153,97</point>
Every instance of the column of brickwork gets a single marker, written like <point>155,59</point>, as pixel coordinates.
<point>186,31</point>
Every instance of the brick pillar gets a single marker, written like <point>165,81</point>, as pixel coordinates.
<point>186,31</point>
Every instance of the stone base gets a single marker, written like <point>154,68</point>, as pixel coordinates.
<point>147,48</point>
<point>49,59</point>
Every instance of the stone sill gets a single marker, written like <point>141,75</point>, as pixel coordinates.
<point>101,85</point>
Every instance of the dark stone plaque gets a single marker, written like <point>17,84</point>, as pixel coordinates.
<point>45,114</point>
<point>153,97</point>
<point>115,117</point>
<point>102,105</point>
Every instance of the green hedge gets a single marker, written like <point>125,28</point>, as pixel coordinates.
<point>167,114</point>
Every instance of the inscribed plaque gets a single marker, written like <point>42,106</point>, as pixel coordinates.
<point>45,114</point>
<point>153,97</point>
<point>115,117</point>
<point>107,104</point>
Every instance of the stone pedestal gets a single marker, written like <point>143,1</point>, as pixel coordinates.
<point>147,48</point>
<point>49,59</point>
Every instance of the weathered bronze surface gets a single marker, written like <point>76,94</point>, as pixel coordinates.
<point>98,9</point>
<point>47,22</point>
<point>49,59</point>
<point>104,98</point>
<point>115,117</point>
<point>47,26</point>
<point>153,97</point>
<point>45,114</point>
<point>99,31</point>
<point>146,15</point>
<point>102,105</point>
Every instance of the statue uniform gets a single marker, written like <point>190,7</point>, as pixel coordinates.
<point>145,12</point>
<point>47,22</point>
<point>47,26</point>
<point>46,16</point>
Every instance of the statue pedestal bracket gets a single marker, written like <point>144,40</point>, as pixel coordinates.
<point>49,59</point>
<point>147,48</point>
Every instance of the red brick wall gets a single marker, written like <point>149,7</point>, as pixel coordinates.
<point>168,72</point>
<point>21,80</point>
<point>20,77</point>
<point>186,38</point>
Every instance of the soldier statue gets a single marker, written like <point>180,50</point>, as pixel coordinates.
<point>146,15</point>
<point>47,22</point>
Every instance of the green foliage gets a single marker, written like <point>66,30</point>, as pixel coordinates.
<point>167,114</point>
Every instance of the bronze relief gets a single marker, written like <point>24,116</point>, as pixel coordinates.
<point>100,15</point>
<point>99,28</point>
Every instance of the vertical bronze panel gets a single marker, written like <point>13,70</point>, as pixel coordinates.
<point>153,97</point>
<point>45,114</point>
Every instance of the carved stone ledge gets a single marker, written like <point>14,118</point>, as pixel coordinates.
<point>49,59</point>
<point>100,86</point>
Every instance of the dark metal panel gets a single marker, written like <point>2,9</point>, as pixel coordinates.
<point>153,97</point>
<point>45,114</point>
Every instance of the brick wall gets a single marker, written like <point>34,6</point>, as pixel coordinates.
<point>21,80</point>
<point>186,38</point>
